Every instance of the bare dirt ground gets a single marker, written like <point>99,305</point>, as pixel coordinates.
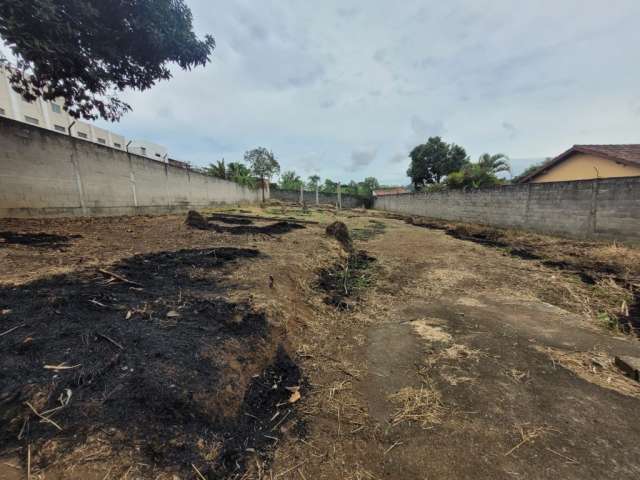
<point>261,350</point>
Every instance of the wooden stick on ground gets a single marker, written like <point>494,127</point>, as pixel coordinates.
<point>198,473</point>
<point>111,340</point>
<point>61,367</point>
<point>46,419</point>
<point>119,277</point>
<point>6,332</point>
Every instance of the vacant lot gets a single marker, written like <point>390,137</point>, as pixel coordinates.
<point>260,348</point>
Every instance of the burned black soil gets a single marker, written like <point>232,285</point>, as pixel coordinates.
<point>230,219</point>
<point>138,356</point>
<point>265,408</point>
<point>277,228</point>
<point>40,240</point>
<point>344,281</point>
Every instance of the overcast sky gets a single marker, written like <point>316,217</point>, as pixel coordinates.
<point>345,89</point>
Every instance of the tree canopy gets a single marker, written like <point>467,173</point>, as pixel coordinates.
<point>434,160</point>
<point>482,174</point>
<point>217,169</point>
<point>85,51</point>
<point>314,181</point>
<point>262,162</point>
<point>240,173</point>
<point>289,180</point>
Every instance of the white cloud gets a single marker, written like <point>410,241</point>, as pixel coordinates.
<point>324,78</point>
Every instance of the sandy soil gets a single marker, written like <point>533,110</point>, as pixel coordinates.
<point>442,358</point>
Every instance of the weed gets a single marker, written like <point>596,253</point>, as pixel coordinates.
<point>373,230</point>
<point>346,279</point>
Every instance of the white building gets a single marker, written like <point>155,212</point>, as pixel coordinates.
<point>51,115</point>
<point>148,149</point>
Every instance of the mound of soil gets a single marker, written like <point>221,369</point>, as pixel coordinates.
<point>344,281</point>
<point>146,357</point>
<point>196,220</point>
<point>340,232</point>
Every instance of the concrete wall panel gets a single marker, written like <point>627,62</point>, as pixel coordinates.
<point>44,173</point>
<point>607,209</point>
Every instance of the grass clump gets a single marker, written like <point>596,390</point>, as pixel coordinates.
<point>372,230</point>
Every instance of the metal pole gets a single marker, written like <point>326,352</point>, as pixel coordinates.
<point>317,194</point>
<point>301,194</point>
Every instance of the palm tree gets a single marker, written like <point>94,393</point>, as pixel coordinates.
<point>494,163</point>
<point>217,169</point>
<point>239,173</point>
<point>314,180</point>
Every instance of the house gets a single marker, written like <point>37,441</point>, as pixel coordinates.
<point>585,162</point>
<point>381,192</point>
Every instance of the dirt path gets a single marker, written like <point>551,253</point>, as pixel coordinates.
<point>438,358</point>
<point>461,373</point>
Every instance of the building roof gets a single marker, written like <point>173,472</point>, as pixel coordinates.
<point>626,153</point>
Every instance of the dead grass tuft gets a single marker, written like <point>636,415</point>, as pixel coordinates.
<point>418,405</point>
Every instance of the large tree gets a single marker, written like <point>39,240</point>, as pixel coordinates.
<point>434,160</point>
<point>263,164</point>
<point>367,186</point>
<point>86,51</point>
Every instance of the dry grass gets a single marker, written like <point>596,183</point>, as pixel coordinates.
<point>596,367</point>
<point>528,434</point>
<point>418,405</point>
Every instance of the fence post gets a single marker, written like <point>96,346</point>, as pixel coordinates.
<point>317,195</point>
<point>339,196</point>
<point>301,194</point>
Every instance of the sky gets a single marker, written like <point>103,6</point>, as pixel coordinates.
<point>346,89</point>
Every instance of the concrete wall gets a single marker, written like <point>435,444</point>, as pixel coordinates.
<point>348,201</point>
<point>607,209</point>
<point>44,173</point>
<point>581,166</point>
